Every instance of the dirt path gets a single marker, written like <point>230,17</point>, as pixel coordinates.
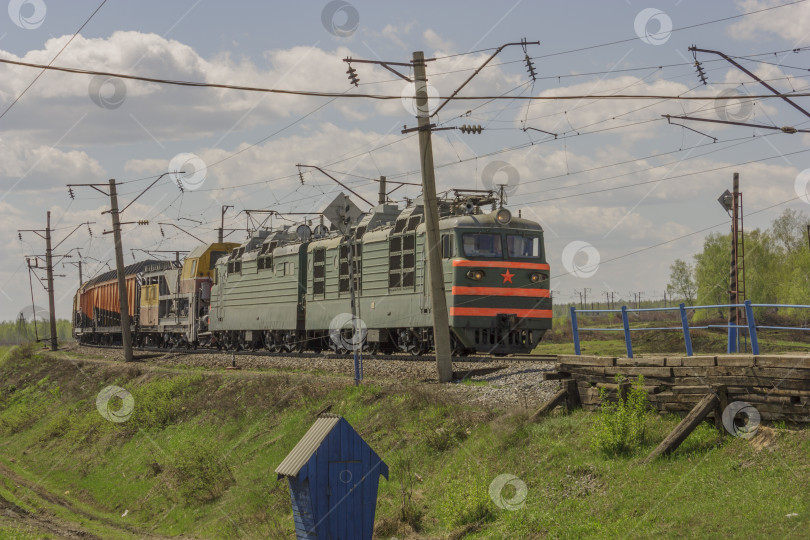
<point>44,521</point>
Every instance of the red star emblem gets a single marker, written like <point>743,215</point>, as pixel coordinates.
<point>507,276</point>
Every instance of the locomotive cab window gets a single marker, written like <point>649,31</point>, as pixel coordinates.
<point>523,247</point>
<point>482,245</point>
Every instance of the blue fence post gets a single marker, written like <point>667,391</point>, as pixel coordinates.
<point>575,330</point>
<point>752,327</point>
<point>687,338</point>
<point>732,336</point>
<point>627,332</point>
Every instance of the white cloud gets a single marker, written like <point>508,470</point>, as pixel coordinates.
<point>789,23</point>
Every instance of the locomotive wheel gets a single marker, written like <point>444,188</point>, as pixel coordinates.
<point>456,345</point>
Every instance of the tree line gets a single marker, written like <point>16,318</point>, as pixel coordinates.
<point>777,268</point>
<point>22,331</point>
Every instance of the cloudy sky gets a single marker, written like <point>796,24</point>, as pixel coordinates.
<point>615,180</point>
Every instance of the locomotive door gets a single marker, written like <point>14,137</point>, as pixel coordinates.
<point>424,290</point>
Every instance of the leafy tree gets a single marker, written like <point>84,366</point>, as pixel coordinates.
<point>681,282</point>
<point>712,271</point>
<point>788,230</point>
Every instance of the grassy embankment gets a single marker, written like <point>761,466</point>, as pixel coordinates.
<point>197,457</point>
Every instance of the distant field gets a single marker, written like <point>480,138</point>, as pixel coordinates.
<point>197,456</point>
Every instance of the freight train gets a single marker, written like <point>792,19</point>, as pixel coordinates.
<point>290,289</point>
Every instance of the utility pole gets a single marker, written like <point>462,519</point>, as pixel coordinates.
<point>441,321</point>
<point>126,331</point>
<point>221,237</point>
<point>441,328</point>
<point>381,199</point>
<point>585,291</point>
<point>49,269</point>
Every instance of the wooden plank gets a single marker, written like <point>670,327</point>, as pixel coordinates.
<point>783,373</point>
<point>700,389</point>
<point>785,384</point>
<point>799,362</point>
<point>767,390</point>
<point>745,360</point>
<point>691,361</point>
<point>648,381</point>
<point>658,372</point>
<point>582,370</point>
<point>572,400</point>
<point>598,361</point>
<point>721,391</point>
<point>713,371</point>
<point>764,398</point>
<point>641,362</point>
<point>549,405</point>
<point>652,389</point>
<point>682,431</point>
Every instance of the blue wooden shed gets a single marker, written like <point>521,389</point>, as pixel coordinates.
<point>333,477</point>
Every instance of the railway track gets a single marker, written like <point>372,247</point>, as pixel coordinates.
<point>334,356</point>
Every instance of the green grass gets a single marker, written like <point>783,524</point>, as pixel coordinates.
<point>196,458</point>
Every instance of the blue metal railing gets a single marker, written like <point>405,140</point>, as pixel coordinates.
<point>733,329</point>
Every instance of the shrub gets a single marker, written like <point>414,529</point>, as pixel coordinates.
<point>620,425</point>
<point>447,436</point>
<point>201,473</point>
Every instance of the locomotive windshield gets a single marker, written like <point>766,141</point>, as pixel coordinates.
<point>523,247</point>
<point>482,245</point>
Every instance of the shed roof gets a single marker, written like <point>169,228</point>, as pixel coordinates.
<point>309,443</point>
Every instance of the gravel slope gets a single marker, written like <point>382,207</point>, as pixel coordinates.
<point>499,383</point>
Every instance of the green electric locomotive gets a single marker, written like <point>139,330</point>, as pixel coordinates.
<point>291,289</point>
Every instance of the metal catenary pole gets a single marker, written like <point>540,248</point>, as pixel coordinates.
<point>441,324</point>
<point>126,335</point>
<point>49,268</point>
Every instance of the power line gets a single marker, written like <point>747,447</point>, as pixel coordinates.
<point>52,60</point>
<point>311,93</point>
<point>720,168</point>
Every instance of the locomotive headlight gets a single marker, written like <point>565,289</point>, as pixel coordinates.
<point>475,275</point>
<point>536,277</point>
<point>503,217</point>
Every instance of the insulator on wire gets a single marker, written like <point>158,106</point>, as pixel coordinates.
<point>530,68</point>
<point>699,68</point>
<point>353,78</point>
<point>19,235</point>
<point>70,192</point>
<point>470,129</point>
<point>162,233</point>
<point>143,222</point>
<point>701,73</point>
<point>89,230</point>
<point>301,176</point>
<point>180,185</point>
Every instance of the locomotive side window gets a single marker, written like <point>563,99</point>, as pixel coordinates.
<point>523,247</point>
<point>482,245</point>
<point>319,273</point>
